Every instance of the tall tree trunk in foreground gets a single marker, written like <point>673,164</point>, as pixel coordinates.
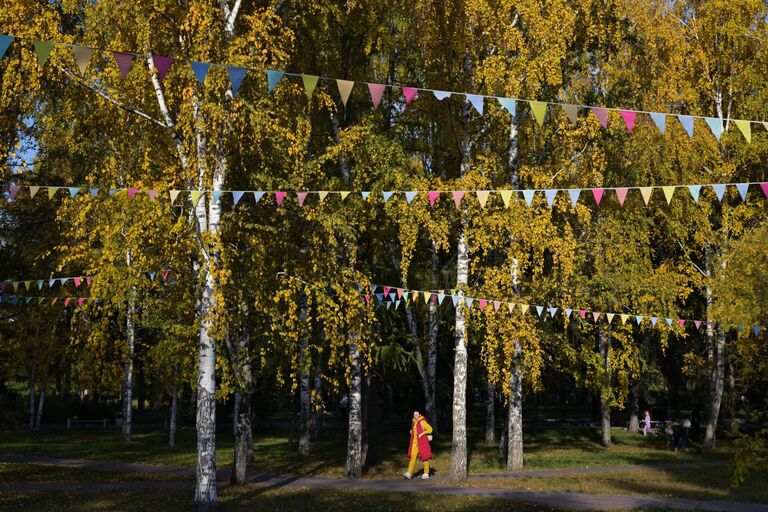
<point>304,391</point>
<point>459,442</point>
<point>354,464</point>
<point>715,391</point>
<point>634,409</point>
<point>174,407</point>
<point>604,342</point>
<point>130,327</point>
<point>515,425</point>
<point>490,414</point>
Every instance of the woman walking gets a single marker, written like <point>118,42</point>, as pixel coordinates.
<point>419,445</point>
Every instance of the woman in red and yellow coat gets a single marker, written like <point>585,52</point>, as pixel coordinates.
<point>419,445</point>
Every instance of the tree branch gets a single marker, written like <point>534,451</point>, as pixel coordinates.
<point>111,100</point>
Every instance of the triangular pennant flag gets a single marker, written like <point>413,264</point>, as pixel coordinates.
<point>51,282</point>
<point>63,280</point>
<point>39,284</point>
<point>624,318</point>
<point>409,93</point>
<point>5,42</point>
<point>638,319</point>
<point>322,195</point>
<point>409,196</point>
<point>43,50</point>
<point>582,313</point>
<point>756,329</point>
<point>574,193</point>
<point>236,77</point>
<point>123,61</point>
<point>610,317</point>
<point>164,273</point>
<point>694,190</point>
<point>344,195</point>
<point>73,191</point>
<point>80,301</point>
<point>763,187</point>
<point>572,111</point>
<point>745,127</point>
<point>432,197</point>
<point>660,120</point>
<point>654,320</point>
<point>669,322</point>
<point>510,306</point>
<point>215,196</point>
<point>483,303</point>
<point>621,194</point>
<point>552,312</point>
<point>161,63</point>
<point>67,301</point>
<point>345,89</point>
<point>595,315</point>
<point>602,115</point>
<point>257,195</point>
<point>455,300</point>
<point>365,195</point>
<point>550,195</point>
<point>93,192</point>
<point>441,95</point>
<point>716,125</point>
<point>195,196</point>
<point>301,197</point>
<point>310,82</point>
<point>279,196</point>
<point>528,195</point>
<point>742,188</point>
<point>14,189</point>
<point>33,189</point>
<point>669,191</point>
<point>719,190</point>
<point>482,197</point>
<point>200,69</point>
<point>82,57</point>
<point>524,308</point>
<point>273,78</point>
<point>52,191</point>
<point>88,280</point>
<point>174,194</point>
<point>77,281</point>
<point>132,192</point>
<point>151,275</point>
<point>509,104</point>
<point>237,196</point>
<point>629,119</point>
<point>506,195</point>
<point>697,323</point>
<point>468,301</point>
<point>376,91</point>
<point>539,310</point>
<point>476,101</point>
<point>114,191</point>
<point>389,305</point>
<point>152,193</point>
<point>597,193</point>
<point>386,289</point>
<point>681,322</point>
<point>539,109</point>
<point>399,292</point>
<point>687,122</point>
<point>496,305</point>
<point>387,195</point>
<point>458,195</point>
<point>646,193</point>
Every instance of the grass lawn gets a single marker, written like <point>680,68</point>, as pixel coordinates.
<point>13,473</point>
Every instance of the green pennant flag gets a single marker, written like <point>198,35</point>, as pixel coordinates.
<point>82,57</point>
<point>174,194</point>
<point>539,109</point>
<point>745,128</point>
<point>52,191</point>
<point>195,196</point>
<point>43,50</point>
<point>310,82</point>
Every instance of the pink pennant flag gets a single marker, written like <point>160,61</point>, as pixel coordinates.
<point>162,63</point>
<point>621,193</point>
<point>80,301</point>
<point>409,93</point>
<point>764,187</point>
<point>152,194</point>
<point>496,305</point>
<point>483,303</point>
<point>301,196</point>
<point>367,297</point>
<point>457,197</point>
<point>629,119</point>
<point>433,197</point>
<point>14,189</point>
<point>598,193</point>
<point>88,280</point>
<point>400,293</point>
<point>595,315</point>
<point>387,289</point>
<point>77,281</point>
<point>132,192</point>
<point>681,322</point>
<point>602,115</point>
<point>123,61</point>
<point>582,313</point>
<point>433,298</point>
<point>279,196</point>
<point>376,90</point>
<point>66,301</point>
<point>164,273</point>
<point>697,323</point>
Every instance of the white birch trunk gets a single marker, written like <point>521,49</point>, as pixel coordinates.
<point>515,426</point>
<point>354,463</point>
<point>715,393</point>
<point>604,341</point>
<point>304,391</point>
<point>430,407</point>
<point>130,328</point>
<point>459,441</point>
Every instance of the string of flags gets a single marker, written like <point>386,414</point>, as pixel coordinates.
<point>77,281</point>
<point>237,74</point>
<point>506,195</point>
<point>17,300</point>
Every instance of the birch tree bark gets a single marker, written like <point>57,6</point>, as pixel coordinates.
<point>604,342</point>
<point>130,328</point>
<point>304,391</point>
<point>354,464</point>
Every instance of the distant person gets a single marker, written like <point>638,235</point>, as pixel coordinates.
<point>647,429</point>
<point>669,434</point>
<point>419,445</point>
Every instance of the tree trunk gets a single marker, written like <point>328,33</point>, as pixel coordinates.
<point>174,407</point>
<point>515,425</point>
<point>604,338</point>
<point>634,409</point>
<point>490,415</point>
<point>459,442</point>
<point>32,393</point>
<point>235,412</point>
<point>243,431</point>
<point>504,433</point>
<point>354,463</point>
<point>304,395</point>
<point>732,398</point>
<point>317,400</point>
<point>130,327</point>
<point>40,402</point>
<point>430,404</point>
<point>715,391</point>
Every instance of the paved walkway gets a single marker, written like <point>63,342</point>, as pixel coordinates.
<point>568,500</point>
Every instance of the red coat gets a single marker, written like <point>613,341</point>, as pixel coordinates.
<point>419,426</point>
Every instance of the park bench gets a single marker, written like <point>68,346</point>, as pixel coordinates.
<point>74,422</point>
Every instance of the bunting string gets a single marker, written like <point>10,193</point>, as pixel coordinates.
<point>237,74</point>
<point>457,196</point>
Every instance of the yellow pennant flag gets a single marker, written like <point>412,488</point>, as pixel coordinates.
<point>539,109</point>
<point>345,89</point>
<point>646,193</point>
<point>195,196</point>
<point>524,307</point>
<point>344,195</point>
<point>174,194</point>
<point>52,191</point>
<point>610,317</point>
<point>745,128</point>
<point>506,195</point>
<point>28,285</point>
<point>426,296</point>
<point>323,194</point>
<point>482,197</point>
<point>624,318</point>
<point>510,306</point>
<point>668,192</point>
<point>33,190</point>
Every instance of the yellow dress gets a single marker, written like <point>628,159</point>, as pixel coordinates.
<point>415,445</point>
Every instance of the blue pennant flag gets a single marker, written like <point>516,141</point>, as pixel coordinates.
<point>200,69</point>
<point>273,78</point>
<point>236,76</point>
